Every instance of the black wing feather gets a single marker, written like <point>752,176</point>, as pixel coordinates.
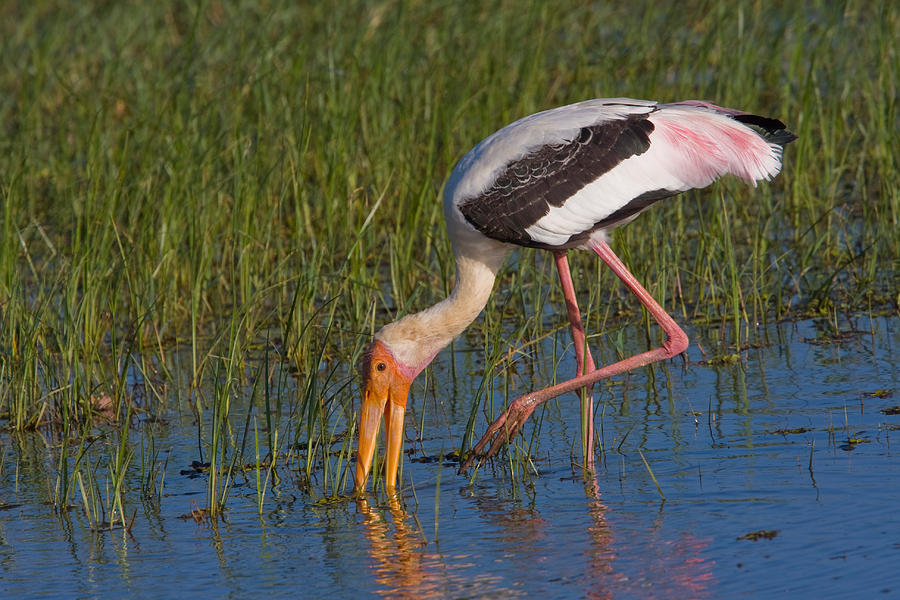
<point>526,189</point>
<point>771,130</point>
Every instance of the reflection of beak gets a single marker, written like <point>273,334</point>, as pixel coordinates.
<point>391,405</point>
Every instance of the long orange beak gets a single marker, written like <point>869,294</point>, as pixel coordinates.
<point>384,395</point>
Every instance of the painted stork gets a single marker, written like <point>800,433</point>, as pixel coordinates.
<point>558,180</point>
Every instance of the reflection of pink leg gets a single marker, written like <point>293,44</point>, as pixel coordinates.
<point>518,412</point>
<point>582,352</point>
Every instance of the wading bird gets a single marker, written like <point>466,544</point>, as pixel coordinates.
<point>557,180</point>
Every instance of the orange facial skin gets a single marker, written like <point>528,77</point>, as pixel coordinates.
<point>385,391</point>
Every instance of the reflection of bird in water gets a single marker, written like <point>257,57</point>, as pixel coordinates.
<point>558,180</point>
<point>399,556</point>
<point>657,563</point>
<point>602,557</point>
<point>405,569</point>
<point>652,564</point>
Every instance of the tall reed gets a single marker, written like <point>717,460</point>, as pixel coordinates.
<point>235,179</point>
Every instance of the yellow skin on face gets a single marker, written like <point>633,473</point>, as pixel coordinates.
<point>385,391</point>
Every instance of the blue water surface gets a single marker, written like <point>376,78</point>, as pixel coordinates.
<point>779,474</point>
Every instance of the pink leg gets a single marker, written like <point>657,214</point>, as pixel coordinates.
<point>583,366</point>
<point>508,424</point>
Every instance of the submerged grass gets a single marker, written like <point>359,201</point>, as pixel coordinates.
<point>191,190</point>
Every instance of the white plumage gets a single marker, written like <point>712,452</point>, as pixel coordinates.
<point>476,170</point>
<point>692,144</point>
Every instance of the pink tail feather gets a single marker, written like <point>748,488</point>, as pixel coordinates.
<point>708,141</point>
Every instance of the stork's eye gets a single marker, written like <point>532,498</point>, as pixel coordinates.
<point>381,366</point>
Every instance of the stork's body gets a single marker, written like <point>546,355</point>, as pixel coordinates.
<point>558,180</point>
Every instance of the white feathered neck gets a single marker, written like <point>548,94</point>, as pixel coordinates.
<point>415,339</point>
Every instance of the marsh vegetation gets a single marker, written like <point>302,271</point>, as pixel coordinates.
<point>207,208</point>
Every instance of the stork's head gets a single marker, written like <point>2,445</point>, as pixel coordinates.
<point>385,385</point>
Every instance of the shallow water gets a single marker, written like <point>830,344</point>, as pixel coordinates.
<point>791,440</point>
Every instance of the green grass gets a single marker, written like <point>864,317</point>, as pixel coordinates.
<point>188,187</point>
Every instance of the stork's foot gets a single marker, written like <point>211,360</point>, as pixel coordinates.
<point>502,430</point>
